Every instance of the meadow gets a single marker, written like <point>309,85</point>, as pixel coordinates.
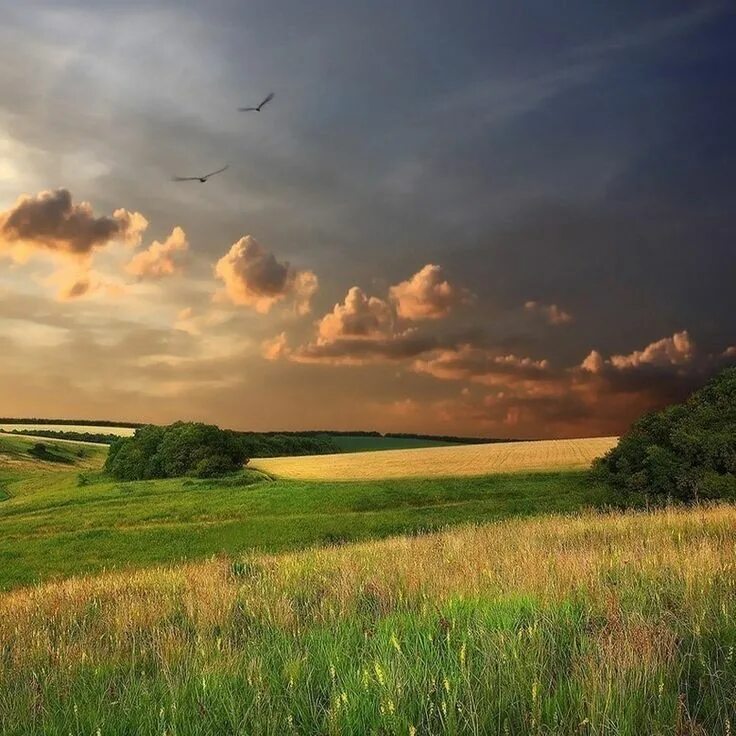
<point>592,624</point>
<point>505,603</point>
<point>450,461</point>
<point>59,519</point>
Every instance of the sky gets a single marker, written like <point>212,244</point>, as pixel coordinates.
<point>485,218</point>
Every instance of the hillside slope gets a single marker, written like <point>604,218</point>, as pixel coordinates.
<point>63,518</point>
<point>600,624</point>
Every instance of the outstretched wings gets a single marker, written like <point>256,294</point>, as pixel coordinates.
<point>258,107</point>
<point>204,177</point>
<point>219,171</point>
<point>268,98</point>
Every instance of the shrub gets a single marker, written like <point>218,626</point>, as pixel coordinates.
<point>182,448</point>
<point>686,451</point>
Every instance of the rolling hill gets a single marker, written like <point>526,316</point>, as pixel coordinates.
<point>61,518</point>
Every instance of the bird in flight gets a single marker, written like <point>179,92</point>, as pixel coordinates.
<point>257,108</point>
<point>203,179</point>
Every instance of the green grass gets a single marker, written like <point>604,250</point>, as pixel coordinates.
<point>576,624</point>
<point>357,443</point>
<point>23,452</point>
<point>54,524</point>
<point>618,625</point>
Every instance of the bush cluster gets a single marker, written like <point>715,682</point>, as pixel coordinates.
<point>182,448</point>
<point>686,451</point>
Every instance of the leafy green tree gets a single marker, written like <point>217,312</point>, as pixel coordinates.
<point>686,451</point>
<point>182,448</point>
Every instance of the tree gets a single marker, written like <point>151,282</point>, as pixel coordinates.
<point>686,451</point>
<point>182,448</point>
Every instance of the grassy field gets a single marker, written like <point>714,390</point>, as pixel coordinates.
<point>60,519</point>
<point>437,462</point>
<point>237,606</point>
<point>602,624</point>
<point>20,454</point>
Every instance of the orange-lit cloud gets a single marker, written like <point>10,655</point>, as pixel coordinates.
<point>426,295</point>
<point>78,281</point>
<point>51,222</point>
<point>361,329</point>
<point>276,347</point>
<point>553,314</point>
<point>359,316</point>
<point>676,350</point>
<point>160,259</point>
<point>479,365</point>
<point>254,278</point>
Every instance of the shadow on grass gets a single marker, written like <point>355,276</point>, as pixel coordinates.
<point>41,452</point>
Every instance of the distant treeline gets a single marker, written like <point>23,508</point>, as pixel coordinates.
<point>257,444</point>
<point>269,444</point>
<point>449,438</point>
<point>79,422</point>
<point>277,433</point>
<point>395,435</point>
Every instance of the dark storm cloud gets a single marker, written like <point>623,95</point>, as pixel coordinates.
<point>578,156</point>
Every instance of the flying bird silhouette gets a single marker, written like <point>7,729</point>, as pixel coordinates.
<point>257,108</point>
<point>203,179</point>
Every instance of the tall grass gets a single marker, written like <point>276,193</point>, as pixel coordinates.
<point>594,624</point>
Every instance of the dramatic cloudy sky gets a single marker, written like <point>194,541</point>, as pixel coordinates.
<point>486,218</point>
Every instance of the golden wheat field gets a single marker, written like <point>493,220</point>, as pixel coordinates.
<point>425,462</point>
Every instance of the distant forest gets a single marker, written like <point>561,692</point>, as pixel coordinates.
<point>108,438</point>
<point>79,422</point>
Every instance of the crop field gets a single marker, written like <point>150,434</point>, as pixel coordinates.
<point>594,624</point>
<point>434,462</point>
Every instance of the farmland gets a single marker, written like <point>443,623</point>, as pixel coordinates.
<point>595,624</point>
<point>450,461</point>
